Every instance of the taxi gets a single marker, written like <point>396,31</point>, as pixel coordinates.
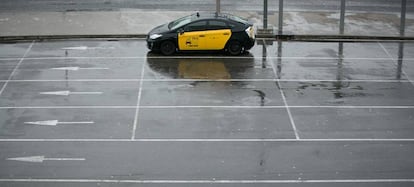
<point>203,32</point>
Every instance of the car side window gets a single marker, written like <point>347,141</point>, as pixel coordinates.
<point>215,25</point>
<point>196,26</point>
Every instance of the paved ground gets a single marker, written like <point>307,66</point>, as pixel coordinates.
<point>108,113</point>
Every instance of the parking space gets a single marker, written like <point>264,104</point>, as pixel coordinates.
<point>92,48</point>
<point>290,113</point>
<point>340,69</point>
<point>13,50</point>
<point>74,68</point>
<point>6,68</point>
<point>66,123</point>
<point>343,123</point>
<point>215,160</point>
<point>217,123</point>
<point>69,94</point>
<point>219,94</point>
<point>343,93</point>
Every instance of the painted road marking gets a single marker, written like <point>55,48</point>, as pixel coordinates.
<point>76,68</point>
<point>86,48</point>
<point>209,140</point>
<point>56,122</point>
<point>67,93</point>
<point>292,122</point>
<point>192,106</point>
<point>41,159</point>
<point>282,93</point>
<point>134,128</point>
<point>212,181</point>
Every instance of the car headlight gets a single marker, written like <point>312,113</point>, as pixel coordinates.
<point>250,32</point>
<point>155,36</point>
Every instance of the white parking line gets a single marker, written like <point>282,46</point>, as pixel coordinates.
<point>211,181</point>
<point>15,68</point>
<point>213,140</point>
<point>282,93</point>
<point>77,68</point>
<point>193,106</point>
<point>141,83</point>
<point>292,122</point>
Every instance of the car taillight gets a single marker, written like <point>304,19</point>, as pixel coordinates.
<point>250,32</point>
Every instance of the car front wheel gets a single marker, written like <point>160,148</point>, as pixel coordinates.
<point>234,47</point>
<point>167,48</point>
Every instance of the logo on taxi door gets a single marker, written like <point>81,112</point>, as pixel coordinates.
<point>191,41</point>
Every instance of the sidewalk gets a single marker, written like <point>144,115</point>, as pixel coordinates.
<point>136,22</point>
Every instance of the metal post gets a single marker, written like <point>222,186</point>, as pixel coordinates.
<point>402,20</point>
<point>264,14</point>
<point>280,24</point>
<point>342,18</point>
<point>217,6</point>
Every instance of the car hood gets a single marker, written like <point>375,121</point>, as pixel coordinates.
<point>159,29</point>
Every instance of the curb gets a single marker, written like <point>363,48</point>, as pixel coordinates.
<point>321,38</point>
<point>6,39</point>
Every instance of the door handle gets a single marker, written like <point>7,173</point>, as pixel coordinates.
<point>226,33</point>
<point>202,35</point>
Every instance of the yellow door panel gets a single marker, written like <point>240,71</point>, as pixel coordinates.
<point>190,40</point>
<point>217,39</point>
<point>204,40</point>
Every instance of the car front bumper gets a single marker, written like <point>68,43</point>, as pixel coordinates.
<point>153,45</point>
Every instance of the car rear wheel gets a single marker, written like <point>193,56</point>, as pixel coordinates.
<point>168,48</point>
<point>234,47</point>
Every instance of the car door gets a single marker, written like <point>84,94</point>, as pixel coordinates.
<point>192,36</point>
<point>217,35</point>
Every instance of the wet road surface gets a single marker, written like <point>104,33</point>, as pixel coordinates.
<point>108,113</point>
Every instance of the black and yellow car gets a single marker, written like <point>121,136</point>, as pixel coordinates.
<point>203,31</point>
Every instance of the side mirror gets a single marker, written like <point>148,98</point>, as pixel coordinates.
<point>181,31</point>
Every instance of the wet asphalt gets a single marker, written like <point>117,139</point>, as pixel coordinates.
<point>110,113</point>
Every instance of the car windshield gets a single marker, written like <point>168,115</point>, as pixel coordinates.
<point>179,22</point>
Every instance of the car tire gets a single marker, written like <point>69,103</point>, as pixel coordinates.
<point>167,48</point>
<point>234,47</point>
